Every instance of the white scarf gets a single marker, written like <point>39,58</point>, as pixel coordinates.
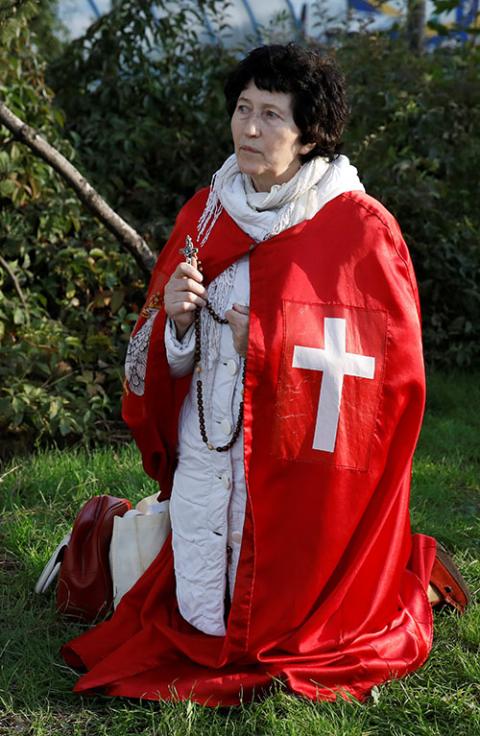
<point>264,214</point>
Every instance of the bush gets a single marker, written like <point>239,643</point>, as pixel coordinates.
<point>413,137</point>
<point>68,294</point>
<point>143,98</point>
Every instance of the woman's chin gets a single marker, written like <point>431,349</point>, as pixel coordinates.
<point>248,168</point>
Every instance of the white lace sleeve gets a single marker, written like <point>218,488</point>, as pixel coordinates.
<point>137,353</point>
<point>180,353</point>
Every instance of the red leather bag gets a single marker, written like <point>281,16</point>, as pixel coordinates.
<point>84,589</point>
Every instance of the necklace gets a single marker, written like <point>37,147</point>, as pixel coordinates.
<point>189,251</point>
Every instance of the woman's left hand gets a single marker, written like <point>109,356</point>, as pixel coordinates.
<point>238,320</point>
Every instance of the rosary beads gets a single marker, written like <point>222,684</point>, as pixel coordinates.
<point>189,251</point>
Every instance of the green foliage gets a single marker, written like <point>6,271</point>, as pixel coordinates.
<point>413,137</point>
<point>43,21</point>
<point>68,294</point>
<point>143,96</point>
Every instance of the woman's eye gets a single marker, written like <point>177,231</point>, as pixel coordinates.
<point>271,114</point>
<point>242,108</point>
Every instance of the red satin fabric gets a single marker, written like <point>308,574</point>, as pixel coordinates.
<point>330,594</point>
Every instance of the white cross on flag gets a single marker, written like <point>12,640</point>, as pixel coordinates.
<point>331,374</point>
<point>335,363</point>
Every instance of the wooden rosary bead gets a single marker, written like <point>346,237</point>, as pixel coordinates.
<point>215,316</point>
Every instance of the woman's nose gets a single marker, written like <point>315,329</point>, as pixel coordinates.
<point>252,125</point>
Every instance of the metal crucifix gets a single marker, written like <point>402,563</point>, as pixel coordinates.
<point>189,251</point>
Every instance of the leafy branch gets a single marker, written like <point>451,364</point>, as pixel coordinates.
<point>126,235</point>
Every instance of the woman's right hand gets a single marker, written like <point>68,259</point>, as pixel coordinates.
<point>184,292</point>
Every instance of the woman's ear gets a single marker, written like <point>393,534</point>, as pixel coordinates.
<point>306,148</point>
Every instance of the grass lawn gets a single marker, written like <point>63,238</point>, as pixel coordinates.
<point>40,497</point>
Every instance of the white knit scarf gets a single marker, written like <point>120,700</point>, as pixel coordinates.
<point>264,214</point>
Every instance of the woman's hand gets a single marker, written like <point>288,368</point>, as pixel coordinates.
<point>183,293</point>
<point>238,320</point>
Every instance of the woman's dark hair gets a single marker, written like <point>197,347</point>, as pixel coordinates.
<point>320,107</point>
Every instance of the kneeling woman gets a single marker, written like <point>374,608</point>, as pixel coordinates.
<point>276,392</point>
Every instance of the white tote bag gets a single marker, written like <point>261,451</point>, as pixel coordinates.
<point>137,538</point>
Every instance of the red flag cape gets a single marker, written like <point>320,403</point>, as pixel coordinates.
<point>330,594</point>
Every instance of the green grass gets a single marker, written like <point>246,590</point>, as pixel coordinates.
<point>40,497</point>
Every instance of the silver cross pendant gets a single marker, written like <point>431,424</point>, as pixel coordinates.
<point>189,251</point>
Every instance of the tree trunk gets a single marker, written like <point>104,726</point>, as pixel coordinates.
<point>125,234</point>
<point>416,19</point>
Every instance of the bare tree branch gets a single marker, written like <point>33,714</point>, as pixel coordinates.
<point>416,19</point>
<point>17,286</point>
<point>126,235</point>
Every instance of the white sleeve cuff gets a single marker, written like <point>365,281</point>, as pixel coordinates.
<point>180,353</point>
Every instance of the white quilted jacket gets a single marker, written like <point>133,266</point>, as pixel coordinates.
<point>207,505</point>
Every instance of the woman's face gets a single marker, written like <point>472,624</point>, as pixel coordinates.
<point>265,137</point>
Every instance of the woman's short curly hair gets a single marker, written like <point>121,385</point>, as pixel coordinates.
<point>317,86</point>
